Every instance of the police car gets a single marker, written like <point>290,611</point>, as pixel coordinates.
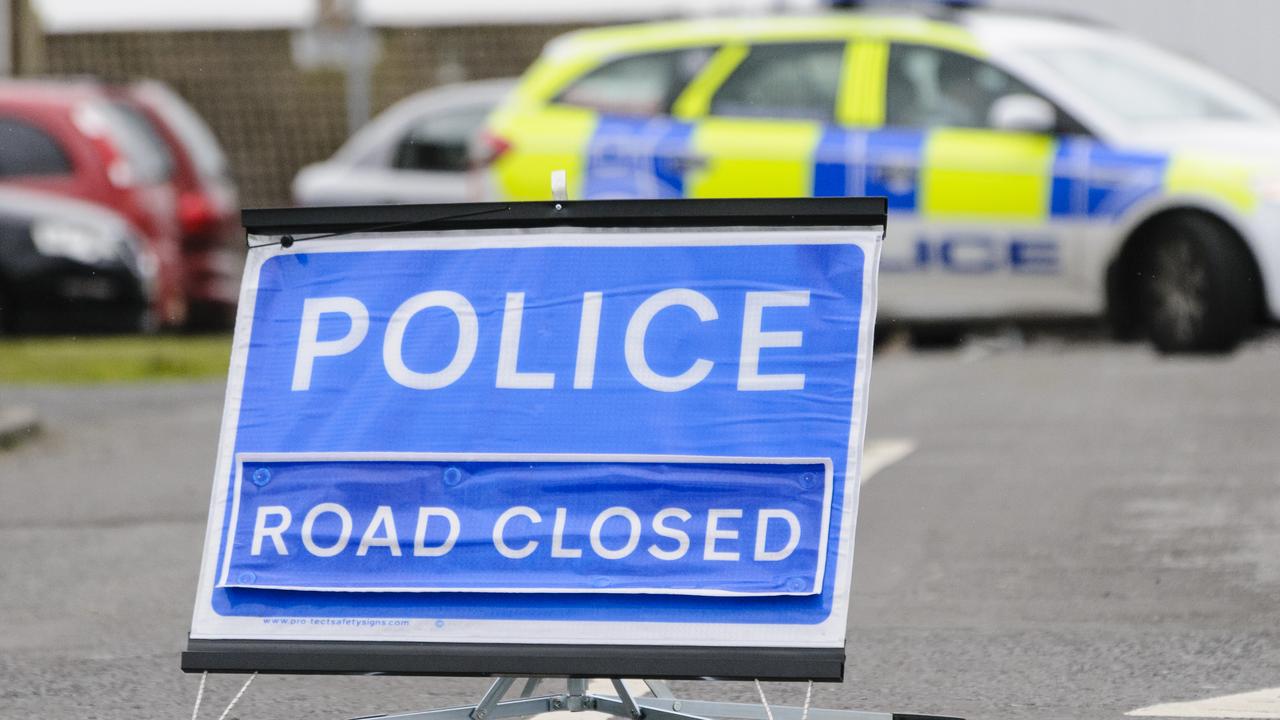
<point>1034,166</point>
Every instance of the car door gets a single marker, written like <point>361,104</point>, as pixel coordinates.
<point>637,148</point>
<point>610,129</point>
<point>758,128</point>
<point>975,229</point>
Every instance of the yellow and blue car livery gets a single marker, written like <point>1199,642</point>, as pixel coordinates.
<point>1046,187</point>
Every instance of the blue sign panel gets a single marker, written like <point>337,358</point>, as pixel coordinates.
<point>530,525</point>
<point>527,437</point>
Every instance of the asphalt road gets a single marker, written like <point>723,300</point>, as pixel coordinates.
<point>1083,529</point>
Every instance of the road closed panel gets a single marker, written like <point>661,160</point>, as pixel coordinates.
<point>529,523</point>
<point>552,435</point>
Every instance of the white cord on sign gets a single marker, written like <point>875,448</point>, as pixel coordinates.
<point>767,711</point>
<point>236,699</point>
<point>808,696</point>
<point>199,695</point>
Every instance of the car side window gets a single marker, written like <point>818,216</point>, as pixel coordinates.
<point>27,150</point>
<point>638,84</point>
<point>789,80</point>
<point>440,142</point>
<point>928,87</point>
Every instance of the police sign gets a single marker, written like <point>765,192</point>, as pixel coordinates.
<point>477,435</point>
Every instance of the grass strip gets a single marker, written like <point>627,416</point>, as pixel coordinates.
<point>113,359</point>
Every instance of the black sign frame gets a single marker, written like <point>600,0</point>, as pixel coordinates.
<point>336,657</point>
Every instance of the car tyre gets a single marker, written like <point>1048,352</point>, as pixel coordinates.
<point>7,314</point>
<point>1198,286</point>
<point>930,337</point>
<point>205,317</point>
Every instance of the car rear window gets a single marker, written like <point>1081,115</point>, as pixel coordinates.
<point>645,84</point>
<point>141,143</point>
<point>441,142</point>
<point>26,150</point>
<point>191,129</point>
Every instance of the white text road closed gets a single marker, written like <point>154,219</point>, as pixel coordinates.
<point>746,527</point>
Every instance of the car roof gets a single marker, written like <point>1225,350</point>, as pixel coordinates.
<point>477,91</point>
<point>960,29</point>
<point>625,38</point>
<point>1032,28</point>
<point>377,131</point>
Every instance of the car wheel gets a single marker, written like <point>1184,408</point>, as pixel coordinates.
<point>1123,317</point>
<point>6,314</point>
<point>929,337</point>
<point>210,317</point>
<point>1198,287</point>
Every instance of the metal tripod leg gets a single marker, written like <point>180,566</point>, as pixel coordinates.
<point>659,688</point>
<point>618,708</point>
<point>511,708</point>
<point>665,708</point>
<point>628,702</point>
<point>661,707</point>
<point>576,699</point>
<point>491,697</point>
<point>489,706</point>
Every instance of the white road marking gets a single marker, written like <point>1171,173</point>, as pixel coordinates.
<point>1257,704</point>
<point>880,454</point>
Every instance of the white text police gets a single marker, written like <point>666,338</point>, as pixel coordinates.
<point>581,376</point>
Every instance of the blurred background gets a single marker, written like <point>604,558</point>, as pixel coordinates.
<point>1056,521</point>
<point>296,112</point>
<point>210,108</point>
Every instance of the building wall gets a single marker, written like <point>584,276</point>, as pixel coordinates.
<point>271,116</point>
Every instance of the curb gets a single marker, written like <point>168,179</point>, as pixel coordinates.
<point>17,425</point>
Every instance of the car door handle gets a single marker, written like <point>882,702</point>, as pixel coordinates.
<point>687,163</point>
<point>895,177</point>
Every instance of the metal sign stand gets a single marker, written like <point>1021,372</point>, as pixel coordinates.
<point>662,706</point>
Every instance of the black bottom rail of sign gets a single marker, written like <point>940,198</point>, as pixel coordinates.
<point>303,657</point>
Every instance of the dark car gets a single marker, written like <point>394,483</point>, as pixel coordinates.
<point>77,140</point>
<point>71,265</point>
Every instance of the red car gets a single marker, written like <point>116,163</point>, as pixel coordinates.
<point>208,206</point>
<point>78,140</point>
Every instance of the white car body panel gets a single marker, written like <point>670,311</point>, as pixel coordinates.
<point>361,171</point>
<point>1257,143</point>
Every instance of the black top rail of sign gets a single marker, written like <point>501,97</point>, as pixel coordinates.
<point>323,657</point>
<point>799,212</point>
